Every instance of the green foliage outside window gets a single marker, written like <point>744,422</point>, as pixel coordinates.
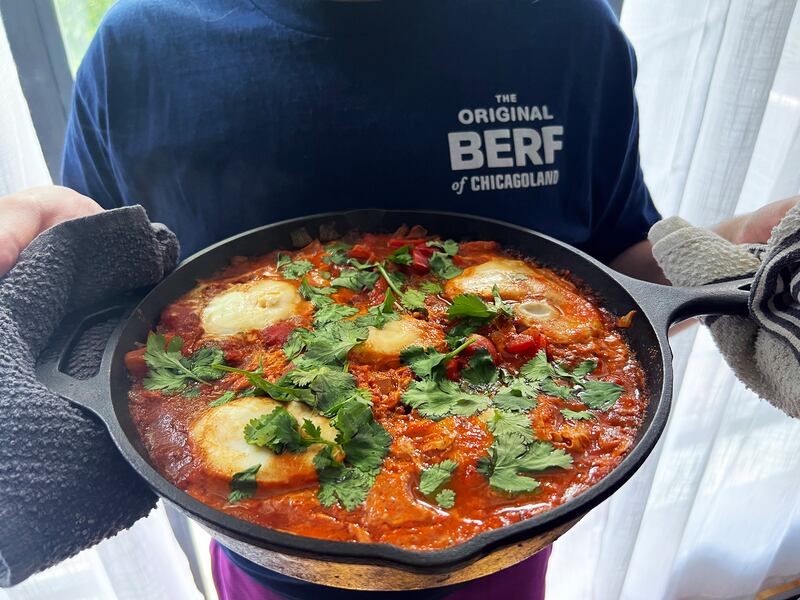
<point>79,20</point>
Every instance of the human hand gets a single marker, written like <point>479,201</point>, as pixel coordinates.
<point>26,214</point>
<point>756,227</point>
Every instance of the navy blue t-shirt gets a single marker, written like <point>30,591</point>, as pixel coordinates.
<point>222,115</point>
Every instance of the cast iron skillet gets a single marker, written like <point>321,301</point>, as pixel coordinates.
<point>656,306</point>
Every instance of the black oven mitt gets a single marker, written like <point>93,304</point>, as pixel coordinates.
<point>63,484</point>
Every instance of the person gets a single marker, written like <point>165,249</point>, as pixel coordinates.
<point>225,115</point>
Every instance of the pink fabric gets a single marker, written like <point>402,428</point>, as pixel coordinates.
<point>523,581</point>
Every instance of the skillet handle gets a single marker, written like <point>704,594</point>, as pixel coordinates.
<point>87,393</point>
<point>667,305</point>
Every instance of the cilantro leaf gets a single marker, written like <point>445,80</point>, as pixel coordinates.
<point>431,287</point>
<point>401,256</point>
<point>243,484</point>
<point>170,371</point>
<point>283,393</point>
<point>318,296</point>
<point>442,266</point>
<point>449,247</point>
<point>293,269</point>
<point>435,476</point>
<point>504,423</point>
<point>459,332</point>
<point>436,400</point>
<point>481,369</point>
<point>296,342</point>
<point>378,316</point>
<point>600,395</point>
<point>336,253</point>
<point>519,395</point>
<point>551,388</point>
<point>500,307</point>
<point>347,485</point>
<point>537,369</point>
<point>340,398</point>
<point>276,430</point>
<point>469,305</point>
<point>500,467</point>
<point>355,279</point>
<point>428,362</point>
<point>413,300</point>
<point>446,498</point>
<point>577,415</point>
<point>543,455</point>
<point>367,449</point>
<point>425,362</point>
<point>202,363</point>
<point>330,313</point>
<point>223,399</point>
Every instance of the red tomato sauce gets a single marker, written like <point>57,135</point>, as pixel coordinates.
<point>395,511</point>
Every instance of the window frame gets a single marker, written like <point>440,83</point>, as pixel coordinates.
<point>34,36</point>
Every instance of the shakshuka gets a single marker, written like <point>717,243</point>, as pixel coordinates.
<point>397,388</point>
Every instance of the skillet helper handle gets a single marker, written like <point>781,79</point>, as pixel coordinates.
<point>671,304</point>
<point>86,393</point>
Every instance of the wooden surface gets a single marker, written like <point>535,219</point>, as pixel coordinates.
<point>378,578</point>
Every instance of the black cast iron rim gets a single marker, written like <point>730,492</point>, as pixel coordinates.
<point>425,562</point>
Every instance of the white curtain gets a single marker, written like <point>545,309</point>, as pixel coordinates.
<point>144,561</point>
<point>715,511</point>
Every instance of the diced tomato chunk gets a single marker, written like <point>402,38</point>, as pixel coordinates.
<point>400,242</point>
<point>276,334</point>
<point>477,247</point>
<point>452,369</point>
<point>481,342</point>
<point>525,343</point>
<point>425,250</point>
<point>134,362</point>
<point>378,292</point>
<point>419,262</point>
<point>360,252</point>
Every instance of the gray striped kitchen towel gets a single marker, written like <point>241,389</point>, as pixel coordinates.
<point>775,297</point>
<point>764,349</point>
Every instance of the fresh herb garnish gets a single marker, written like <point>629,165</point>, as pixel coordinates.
<point>449,247</point>
<point>513,455</point>
<point>430,287</point>
<point>519,395</point>
<point>473,313</point>
<point>435,476</point>
<point>428,362</point>
<point>355,279</point>
<point>600,395</point>
<point>446,498</point>
<point>480,370</point>
<point>243,484</point>
<point>336,253</point>
<point>577,415</point>
<point>401,256</point>
<point>442,266</point>
<point>223,399</point>
<point>293,269</point>
<point>170,371</point>
<point>439,399</point>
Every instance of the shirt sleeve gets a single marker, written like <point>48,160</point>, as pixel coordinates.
<point>86,163</point>
<point>623,210</point>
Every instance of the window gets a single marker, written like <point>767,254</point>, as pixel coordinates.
<point>78,21</point>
